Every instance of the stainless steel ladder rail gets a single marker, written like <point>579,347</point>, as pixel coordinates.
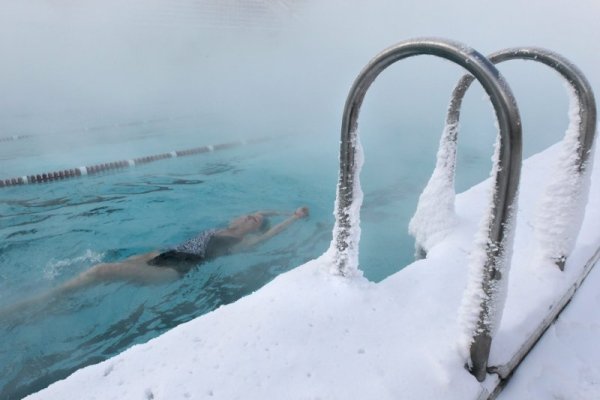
<point>506,180</point>
<point>573,76</point>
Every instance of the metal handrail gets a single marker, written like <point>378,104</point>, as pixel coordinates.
<point>506,179</point>
<point>573,76</point>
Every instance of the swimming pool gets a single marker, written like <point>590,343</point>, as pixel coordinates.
<point>54,231</point>
<point>246,85</point>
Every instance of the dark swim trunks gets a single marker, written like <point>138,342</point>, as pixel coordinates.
<point>205,246</point>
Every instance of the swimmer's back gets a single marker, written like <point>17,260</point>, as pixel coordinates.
<point>203,247</point>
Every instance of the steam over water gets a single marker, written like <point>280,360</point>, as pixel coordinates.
<point>108,80</point>
<point>100,81</point>
<point>248,67</point>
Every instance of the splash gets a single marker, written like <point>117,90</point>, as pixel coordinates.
<point>55,268</point>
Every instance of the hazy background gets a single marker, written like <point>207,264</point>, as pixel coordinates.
<point>253,66</point>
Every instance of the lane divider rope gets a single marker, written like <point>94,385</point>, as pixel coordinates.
<point>14,137</point>
<point>95,169</point>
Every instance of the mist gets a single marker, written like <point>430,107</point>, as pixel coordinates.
<point>255,66</point>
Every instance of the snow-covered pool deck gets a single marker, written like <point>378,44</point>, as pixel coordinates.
<point>311,335</point>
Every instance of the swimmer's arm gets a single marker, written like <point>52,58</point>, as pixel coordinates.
<point>271,213</point>
<point>302,212</point>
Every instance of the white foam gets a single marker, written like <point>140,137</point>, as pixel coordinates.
<point>55,267</point>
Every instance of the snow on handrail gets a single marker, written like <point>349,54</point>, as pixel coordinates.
<point>563,203</point>
<point>491,268</point>
<point>60,175</point>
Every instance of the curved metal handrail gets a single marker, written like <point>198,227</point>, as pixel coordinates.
<point>586,113</point>
<point>498,222</point>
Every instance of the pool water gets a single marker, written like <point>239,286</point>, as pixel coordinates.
<point>53,232</point>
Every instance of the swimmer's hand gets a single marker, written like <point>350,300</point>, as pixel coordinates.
<point>301,212</point>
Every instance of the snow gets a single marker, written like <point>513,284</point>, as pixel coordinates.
<point>560,213</point>
<point>349,258</point>
<point>480,310</point>
<point>570,370</point>
<point>435,217</point>
<point>558,220</point>
<point>313,335</point>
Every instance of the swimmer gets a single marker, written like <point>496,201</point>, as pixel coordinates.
<point>241,234</point>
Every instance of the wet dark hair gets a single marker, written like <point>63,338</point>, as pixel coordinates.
<point>265,226</point>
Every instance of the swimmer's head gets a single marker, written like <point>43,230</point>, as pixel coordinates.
<point>250,223</point>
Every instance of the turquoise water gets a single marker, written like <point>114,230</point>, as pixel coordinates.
<point>53,232</point>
